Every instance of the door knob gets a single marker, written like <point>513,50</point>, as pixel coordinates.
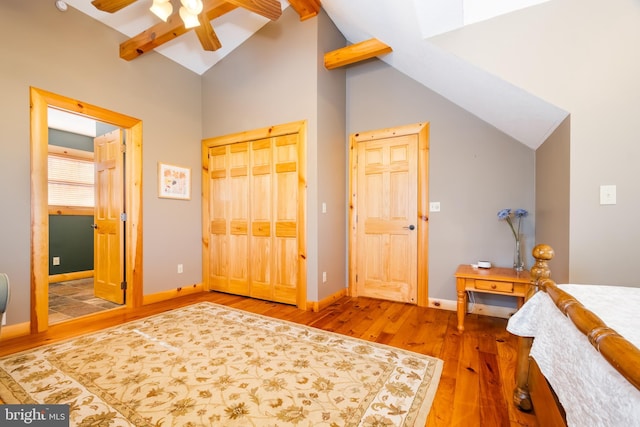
<point>95,226</point>
<point>411,227</point>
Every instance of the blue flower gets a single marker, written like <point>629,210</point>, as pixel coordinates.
<point>504,213</point>
<point>520,213</point>
<point>508,215</point>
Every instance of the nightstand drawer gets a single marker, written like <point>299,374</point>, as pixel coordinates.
<point>490,285</point>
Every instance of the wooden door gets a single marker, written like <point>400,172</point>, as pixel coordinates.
<point>229,218</point>
<point>286,202</point>
<point>253,216</point>
<point>389,222</point>
<point>261,201</point>
<point>274,228</point>
<point>108,225</point>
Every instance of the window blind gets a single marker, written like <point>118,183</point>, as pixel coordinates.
<point>71,182</point>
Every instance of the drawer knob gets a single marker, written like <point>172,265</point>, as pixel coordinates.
<point>493,286</point>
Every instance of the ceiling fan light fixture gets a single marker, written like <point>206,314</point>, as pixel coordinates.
<point>194,7</point>
<point>162,9</point>
<point>61,5</point>
<point>190,19</point>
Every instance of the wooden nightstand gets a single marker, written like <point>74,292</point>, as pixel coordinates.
<point>495,280</point>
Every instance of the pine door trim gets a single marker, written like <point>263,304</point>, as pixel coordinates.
<point>422,131</point>
<point>132,128</point>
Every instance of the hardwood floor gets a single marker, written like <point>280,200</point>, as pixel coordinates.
<point>478,376</point>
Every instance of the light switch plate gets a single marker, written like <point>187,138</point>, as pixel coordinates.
<point>607,194</point>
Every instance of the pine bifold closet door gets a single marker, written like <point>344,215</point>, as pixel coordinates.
<point>252,216</point>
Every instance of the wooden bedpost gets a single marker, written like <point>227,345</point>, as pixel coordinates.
<point>539,272</point>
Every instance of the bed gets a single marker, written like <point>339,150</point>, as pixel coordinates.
<point>578,358</point>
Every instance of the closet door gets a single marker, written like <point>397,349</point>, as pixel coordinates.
<point>228,215</point>
<point>237,253</point>
<point>285,200</point>
<point>253,213</point>
<point>274,206</point>
<point>254,225</point>
<point>261,242</point>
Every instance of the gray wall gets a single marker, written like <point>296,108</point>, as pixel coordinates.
<point>583,58</point>
<point>275,77</point>
<point>474,171</point>
<point>331,158</point>
<point>553,196</point>
<point>75,56</point>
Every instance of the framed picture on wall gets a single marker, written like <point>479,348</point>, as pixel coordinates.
<point>174,182</point>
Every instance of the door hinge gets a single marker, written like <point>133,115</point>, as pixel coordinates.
<point>123,148</point>
<point>123,286</point>
<point>123,216</point>
<point>356,278</point>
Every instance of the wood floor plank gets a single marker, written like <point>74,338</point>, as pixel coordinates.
<point>466,405</point>
<point>370,315</point>
<point>390,314</point>
<point>493,408</point>
<point>478,362</point>
<point>394,325</point>
<point>441,413</point>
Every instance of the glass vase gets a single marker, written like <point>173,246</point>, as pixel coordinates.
<point>518,260</point>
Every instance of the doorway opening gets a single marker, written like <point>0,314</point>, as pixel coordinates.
<point>75,162</point>
<point>127,269</point>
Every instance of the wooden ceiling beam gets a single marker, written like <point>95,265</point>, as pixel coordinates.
<point>111,6</point>
<point>306,8</point>
<point>270,9</point>
<point>164,32</point>
<point>206,34</point>
<point>355,53</point>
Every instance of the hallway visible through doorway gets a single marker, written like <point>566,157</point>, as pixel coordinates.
<point>74,298</point>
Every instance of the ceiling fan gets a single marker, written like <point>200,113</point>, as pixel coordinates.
<point>196,15</point>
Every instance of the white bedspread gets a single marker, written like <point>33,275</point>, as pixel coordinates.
<point>590,390</point>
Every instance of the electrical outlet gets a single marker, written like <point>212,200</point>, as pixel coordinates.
<point>434,206</point>
<point>180,269</point>
<point>607,194</point>
<point>56,260</point>
<point>324,277</point>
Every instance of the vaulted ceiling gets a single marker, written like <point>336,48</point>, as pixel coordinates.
<point>406,26</point>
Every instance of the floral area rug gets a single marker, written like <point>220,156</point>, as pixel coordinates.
<point>210,365</point>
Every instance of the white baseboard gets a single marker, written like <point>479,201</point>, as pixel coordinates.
<point>475,308</point>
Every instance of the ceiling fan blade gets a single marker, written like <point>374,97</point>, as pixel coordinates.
<point>111,6</point>
<point>164,32</point>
